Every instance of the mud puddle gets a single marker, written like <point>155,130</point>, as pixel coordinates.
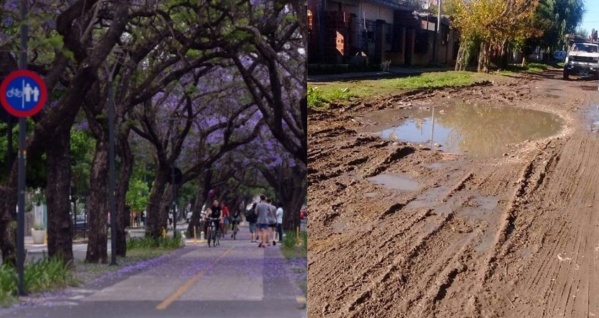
<point>593,117</point>
<point>395,182</point>
<point>476,130</point>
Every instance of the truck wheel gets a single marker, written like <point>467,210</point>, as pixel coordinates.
<point>566,75</point>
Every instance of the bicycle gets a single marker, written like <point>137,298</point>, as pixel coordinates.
<point>13,92</point>
<point>213,235</point>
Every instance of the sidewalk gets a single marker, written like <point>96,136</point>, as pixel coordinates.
<point>393,72</point>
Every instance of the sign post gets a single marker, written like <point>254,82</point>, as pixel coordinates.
<point>22,94</point>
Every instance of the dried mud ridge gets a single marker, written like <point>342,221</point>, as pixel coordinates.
<point>514,236</point>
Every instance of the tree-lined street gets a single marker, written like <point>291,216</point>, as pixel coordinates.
<point>154,110</point>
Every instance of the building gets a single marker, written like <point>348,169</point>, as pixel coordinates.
<point>382,30</point>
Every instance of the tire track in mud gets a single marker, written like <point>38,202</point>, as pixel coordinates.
<point>530,178</point>
<point>379,285</point>
<point>372,253</point>
<point>554,280</point>
<point>509,217</point>
<point>575,240</point>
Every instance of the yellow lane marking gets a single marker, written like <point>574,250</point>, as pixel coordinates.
<point>300,299</point>
<point>181,290</point>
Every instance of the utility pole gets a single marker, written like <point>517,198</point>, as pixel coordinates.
<point>438,35</point>
<point>111,167</point>
<point>22,154</point>
<point>173,181</point>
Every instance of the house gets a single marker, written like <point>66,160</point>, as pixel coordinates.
<point>381,29</point>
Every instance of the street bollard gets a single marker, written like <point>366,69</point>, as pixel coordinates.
<point>297,237</point>
<point>195,236</point>
<point>163,232</point>
<point>202,236</point>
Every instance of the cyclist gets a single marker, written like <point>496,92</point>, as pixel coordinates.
<point>212,215</point>
<point>235,220</point>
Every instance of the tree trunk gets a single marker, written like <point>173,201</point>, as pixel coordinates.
<point>97,251</point>
<point>462,58</point>
<point>483,58</point>
<point>166,205</point>
<point>126,170</point>
<point>8,226</point>
<point>60,236</point>
<point>293,194</point>
<point>153,217</point>
<point>201,196</point>
<point>505,60</point>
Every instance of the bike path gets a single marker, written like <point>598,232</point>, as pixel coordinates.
<point>234,279</point>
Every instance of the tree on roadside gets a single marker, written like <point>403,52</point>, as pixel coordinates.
<point>555,18</point>
<point>68,63</point>
<point>272,64</point>
<point>489,25</point>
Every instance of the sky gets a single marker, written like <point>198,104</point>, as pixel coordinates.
<point>591,16</point>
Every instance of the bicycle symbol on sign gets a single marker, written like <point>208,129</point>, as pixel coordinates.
<point>13,92</point>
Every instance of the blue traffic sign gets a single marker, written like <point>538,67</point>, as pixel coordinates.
<point>23,93</point>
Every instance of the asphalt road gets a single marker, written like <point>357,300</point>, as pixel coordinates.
<point>235,279</point>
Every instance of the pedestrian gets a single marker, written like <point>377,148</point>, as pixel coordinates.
<point>252,218</point>
<point>280,222</point>
<point>224,218</point>
<point>263,210</point>
<point>272,222</point>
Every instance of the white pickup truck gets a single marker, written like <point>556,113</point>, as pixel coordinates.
<point>582,59</point>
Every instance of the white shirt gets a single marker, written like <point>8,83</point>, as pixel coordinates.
<point>280,215</point>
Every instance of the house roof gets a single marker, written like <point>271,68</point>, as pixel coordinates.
<point>433,18</point>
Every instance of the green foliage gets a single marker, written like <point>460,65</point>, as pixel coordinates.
<point>318,98</point>
<point>325,93</point>
<point>47,273</point>
<point>137,195</point>
<point>38,227</point>
<point>82,150</point>
<point>8,285</point>
<point>555,18</point>
<point>290,249</point>
<point>315,98</point>
<point>41,275</point>
<point>151,243</point>
<point>530,68</point>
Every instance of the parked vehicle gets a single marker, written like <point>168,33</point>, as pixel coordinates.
<point>81,224</point>
<point>582,59</point>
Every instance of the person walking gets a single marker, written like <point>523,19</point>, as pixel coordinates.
<point>224,219</point>
<point>263,210</point>
<point>272,222</point>
<point>280,222</point>
<point>251,217</point>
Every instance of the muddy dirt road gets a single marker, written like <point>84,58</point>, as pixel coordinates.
<point>514,235</point>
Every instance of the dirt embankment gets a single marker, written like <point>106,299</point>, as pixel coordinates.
<point>512,236</point>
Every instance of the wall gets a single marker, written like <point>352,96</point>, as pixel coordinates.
<point>374,12</point>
